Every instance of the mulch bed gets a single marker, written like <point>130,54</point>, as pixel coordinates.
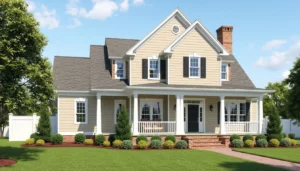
<point>7,162</point>
<point>296,146</point>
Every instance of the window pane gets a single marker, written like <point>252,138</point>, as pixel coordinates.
<point>233,107</point>
<point>153,68</point>
<point>119,106</point>
<point>242,108</point>
<point>194,72</point>
<point>224,68</point>
<point>156,108</point>
<point>194,62</point>
<point>146,112</point>
<point>120,73</point>
<point>233,118</point>
<point>224,76</point>
<point>80,111</point>
<point>120,65</point>
<point>242,117</point>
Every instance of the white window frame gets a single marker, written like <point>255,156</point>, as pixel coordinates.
<point>153,58</point>
<point>85,100</point>
<point>173,28</point>
<point>150,102</point>
<point>224,64</point>
<point>116,69</point>
<point>238,102</point>
<point>199,61</point>
<point>123,102</point>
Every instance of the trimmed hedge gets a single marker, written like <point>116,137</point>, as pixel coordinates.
<point>274,143</point>
<point>260,136</point>
<point>171,137</point>
<point>40,142</point>
<point>293,142</point>
<point>262,143</point>
<point>249,143</point>
<point>117,143</point>
<point>88,142</point>
<point>99,139</point>
<point>106,144</point>
<point>79,138</point>
<point>283,135</point>
<point>57,139</point>
<point>248,137</point>
<point>285,142</point>
<point>181,144</point>
<point>155,144</point>
<point>234,137</point>
<point>292,135</point>
<point>156,137</point>
<point>169,144</point>
<point>275,136</point>
<point>237,143</point>
<point>140,138</point>
<point>29,141</point>
<point>142,144</point>
<point>126,144</point>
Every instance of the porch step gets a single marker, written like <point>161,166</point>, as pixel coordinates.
<point>209,146</point>
<point>204,141</point>
<point>202,137</point>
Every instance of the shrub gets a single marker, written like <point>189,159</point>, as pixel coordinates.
<point>123,126</point>
<point>126,144</point>
<point>234,137</point>
<point>292,135</point>
<point>29,141</point>
<point>285,142</point>
<point>181,144</point>
<point>99,139</point>
<point>274,143</point>
<point>141,138</point>
<point>169,144</point>
<point>275,136</point>
<point>293,142</point>
<point>171,137</point>
<point>117,143</point>
<point>283,135</point>
<point>142,144</point>
<point>247,137</point>
<point>57,139</point>
<point>44,125</point>
<point>274,126</point>
<point>36,137</point>
<point>262,143</point>
<point>156,137</point>
<point>260,136</point>
<point>106,143</point>
<point>40,142</point>
<point>249,143</point>
<point>79,138</point>
<point>155,144</point>
<point>88,142</point>
<point>111,138</point>
<point>237,143</point>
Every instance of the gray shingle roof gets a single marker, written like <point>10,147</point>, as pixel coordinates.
<point>119,47</point>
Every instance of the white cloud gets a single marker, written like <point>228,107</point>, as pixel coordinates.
<point>138,2</point>
<point>47,18</point>
<point>31,5</point>
<point>76,23</point>
<point>124,5</point>
<point>273,44</point>
<point>72,8</point>
<point>279,59</point>
<point>285,74</point>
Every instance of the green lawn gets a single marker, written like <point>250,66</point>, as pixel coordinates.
<point>76,158</point>
<point>298,140</point>
<point>287,154</point>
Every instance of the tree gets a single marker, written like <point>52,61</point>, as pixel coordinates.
<point>44,125</point>
<point>277,100</point>
<point>293,81</point>
<point>25,76</point>
<point>274,125</point>
<point>123,127</point>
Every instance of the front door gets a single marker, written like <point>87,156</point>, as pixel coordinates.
<point>193,118</point>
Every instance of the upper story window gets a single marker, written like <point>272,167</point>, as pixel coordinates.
<point>194,66</point>
<point>120,69</point>
<point>224,72</point>
<point>81,111</point>
<point>154,68</point>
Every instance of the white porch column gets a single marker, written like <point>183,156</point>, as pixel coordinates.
<point>135,115</point>
<point>260,114</point>
<point>179,115</point>
<point>222,115</point>
<point>99,115</point>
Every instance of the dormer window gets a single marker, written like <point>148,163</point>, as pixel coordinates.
<point>224,72</point>
<point>120,69</point>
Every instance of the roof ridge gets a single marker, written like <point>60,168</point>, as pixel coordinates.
<point>85,57</point>
<point>121,38</point>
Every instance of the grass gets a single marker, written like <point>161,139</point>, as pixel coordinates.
<point>106,159</point>
<point>286,154</point>
<point>298,140</point>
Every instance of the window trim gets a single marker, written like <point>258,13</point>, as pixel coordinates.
<point>226,64</point>
<point>85,100</point>
<point>173,28</point>
<point>116,69</point>
<point>238,102</point>
<point>115,108</point>
<point>151,110</point>
<point>199,65</point>
<point>153,58</point>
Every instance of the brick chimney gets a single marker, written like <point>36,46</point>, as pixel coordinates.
<point>224,35</point>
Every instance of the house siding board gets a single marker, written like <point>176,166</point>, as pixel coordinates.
<point>253,111</point>
<point>192,43</point>
<point>153,47</point>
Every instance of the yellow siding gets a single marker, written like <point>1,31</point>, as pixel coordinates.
<point>253,111</point>
<point>153,47</point>
<point>171,108</point>
<point>192,43</point>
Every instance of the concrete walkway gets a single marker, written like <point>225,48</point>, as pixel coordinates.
<point>258,159</point>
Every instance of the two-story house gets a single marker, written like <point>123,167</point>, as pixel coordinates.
<point>179,79</point>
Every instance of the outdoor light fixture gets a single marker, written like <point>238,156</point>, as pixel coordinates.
<point>211,107</point>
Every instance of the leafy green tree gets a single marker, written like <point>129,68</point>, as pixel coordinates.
<point>44,125</point>
<point>25,76</point>
<point>294,96</point>
<point>274,125</point>
<point>277,100</point>
<point>123,127</point>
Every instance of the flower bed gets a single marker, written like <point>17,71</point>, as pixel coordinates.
<point>7,162</point>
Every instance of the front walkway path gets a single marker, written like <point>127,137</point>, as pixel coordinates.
<point>258,159</point>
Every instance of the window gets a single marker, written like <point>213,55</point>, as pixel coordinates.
<point>224,72</point>
<point>154,68</point>
<point>175,29</point>
<point>119,69</point>
<point>118,106</point>
<point>151,110</point>
<point>194,66</point>
<point>235,111</point>
<point>81,111</point>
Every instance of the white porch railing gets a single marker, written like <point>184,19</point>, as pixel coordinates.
<point>242,127</point>
<point>157,127</point>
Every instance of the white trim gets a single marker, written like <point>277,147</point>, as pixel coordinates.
<point>116,69</point>
<point>168,70</point>
<point>115,57</point>
<point>197,24</point>
<point>129,71</point>
<point>85,100</point>
<point>58,106</point>
<point>168,107</point>
<point>123,102</point>
<point>99,114</point>
<point>176,12</point>
<point>108,90</point>
<point>158,60</point>
<point>203,112</point>
<point>199,65</point>
<point>173,28</point>
<point>161,105</point>
<point>71,91</point>
<point>74,133</point>
<point>225,64</point>
<point>238,112</point>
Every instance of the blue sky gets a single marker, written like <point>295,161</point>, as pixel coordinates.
<point>266,35</point>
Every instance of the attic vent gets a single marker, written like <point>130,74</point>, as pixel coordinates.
<point>175,29</point>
